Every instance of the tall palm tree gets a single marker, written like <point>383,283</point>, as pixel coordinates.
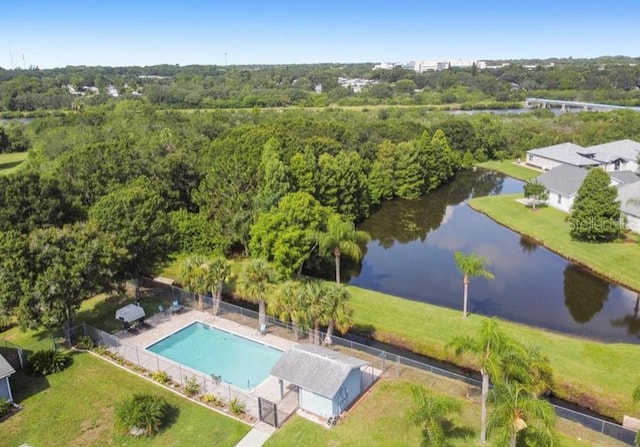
<point>217,271</point>
<point>256,284</point>
<point>342,238</point>
<point>471,265</point>
<point>313,296</point>
<point>193,278</point>
<point>337,310</point>
<point>489,346</point>
<point>289,304</point>
<point>515,409</point>
<point>431,413</point>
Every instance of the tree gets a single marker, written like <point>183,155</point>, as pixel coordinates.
<point>409,178</point>
<point>341,238</point>
<point>342,184</point>
<point>304,171</point>
<point>288,305</point>
<point>274,176</point>
<point>70,265</point>
<point>338,312</point>
<point>383,171</point>
<point>313,297</point>
<point>489,346</point>
<point>135,214</point>
<point>193,276</point>
<point>15,271</point>
<point>595,214</point>
<point>286,235</point>
<point>255,284</point>
<point>432,412</point>
<point>217,271</point>
<point>537,192</point>
<point>471,265</point>
<point>517,412</point>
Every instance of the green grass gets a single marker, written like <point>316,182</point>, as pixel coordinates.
<point>9,163</point>
<point>588,372</point>
<point>617,261</point>
<point>75,407</point>
<point>511,169</point>
<point>380,419</point>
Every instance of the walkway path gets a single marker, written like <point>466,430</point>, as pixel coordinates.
<point>257,436</point>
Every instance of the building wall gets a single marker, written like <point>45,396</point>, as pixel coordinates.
<point>563,203</point>
<point>633,223</point>
<point>5,390</point>
<point>315,403</point>
<point>350,390</point>
<point>541,162</point>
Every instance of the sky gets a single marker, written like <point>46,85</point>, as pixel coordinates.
<point>57,33</point>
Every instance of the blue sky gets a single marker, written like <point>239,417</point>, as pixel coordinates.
<point>56,33</point>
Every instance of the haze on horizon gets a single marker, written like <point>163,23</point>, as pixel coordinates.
<point>59,33</point>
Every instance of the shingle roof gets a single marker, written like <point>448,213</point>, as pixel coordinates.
<point>564,179</point>
<point>624,177</point>
<point>314,368</point>
<point>629,196</point>
<point>567,153</point>
<point>5,368</point>
<point>624,149</point>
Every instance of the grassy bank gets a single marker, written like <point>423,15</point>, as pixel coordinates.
<point>10,162</point>
<point>594,374</point>
<point>511,169</point>
<point>617,261</point>
<point>380,419</point>
<point>75,407</point>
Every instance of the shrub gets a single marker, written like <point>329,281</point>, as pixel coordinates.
<point>47,361</point>
<point>102,350</point>
<point>212,399</point>
<point>237,407</point>
<point>161,377</point>
<point>191,387</point>
<point>143,412</point>
<point>85,342</point>
<point>5,407</point>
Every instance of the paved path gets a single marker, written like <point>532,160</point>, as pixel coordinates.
<point>257,436</point>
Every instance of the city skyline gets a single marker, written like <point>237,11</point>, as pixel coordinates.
<point>59,33</point>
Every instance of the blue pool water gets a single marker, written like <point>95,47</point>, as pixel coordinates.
<point>237,360</point>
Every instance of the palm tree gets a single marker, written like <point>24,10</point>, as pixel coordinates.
<point>342,238</point>
<point>515,409</point>
<point>255,284</point>
<point>314,293</point>
<point>471,265</point>
<point>289,304</point>
<point>431,413</point>
<point>337,310</point>
<point>217,271</point>
<point>192,276</point>
<point>490,346</point>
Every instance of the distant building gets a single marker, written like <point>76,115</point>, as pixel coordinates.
<point>619,155</point>
<point>384,66</point>
<point>423,66</point>
<point>356,84</point>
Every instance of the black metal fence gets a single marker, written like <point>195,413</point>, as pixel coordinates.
<point>381,359</point>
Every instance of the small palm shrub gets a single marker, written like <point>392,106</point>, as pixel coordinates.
<point>85,342</point>
<point>47,361</point>
<point>5,407</point>
<point>161,377</point>
<point>143,412</point>
<point>237,407</point>
<point>191,387</point>
<point>213,400</point>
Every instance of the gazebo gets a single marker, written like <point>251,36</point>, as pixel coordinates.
<point>5,371</point>
<point>328,381</point>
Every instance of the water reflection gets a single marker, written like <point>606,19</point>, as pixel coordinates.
<point>631,321</point>
<point>411,255</point>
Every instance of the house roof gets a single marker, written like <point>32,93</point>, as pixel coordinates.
<point>563,179</point>
<point>624,177</point>
<point>316,369</point>
<point>5,368</point>
<point>622,149</point>
<point>567,153</point>
<point>629,196</point>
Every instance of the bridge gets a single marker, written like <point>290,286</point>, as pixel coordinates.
<point>566,105</point>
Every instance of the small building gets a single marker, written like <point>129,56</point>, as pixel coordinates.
<point>5,387</point>
<point>547,158</point>
<point>328,381</point>
<point>562,183</point>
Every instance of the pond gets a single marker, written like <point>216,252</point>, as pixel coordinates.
<point>411,255</point>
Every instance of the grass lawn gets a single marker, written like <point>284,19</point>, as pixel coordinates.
<point>380,419</point>
<point>511,169</point>
<point>617,261</point>
<point>75,407</point>
<point>592,373</point>
<point>10,162</point>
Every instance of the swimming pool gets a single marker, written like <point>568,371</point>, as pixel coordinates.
<point>236,360</point>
